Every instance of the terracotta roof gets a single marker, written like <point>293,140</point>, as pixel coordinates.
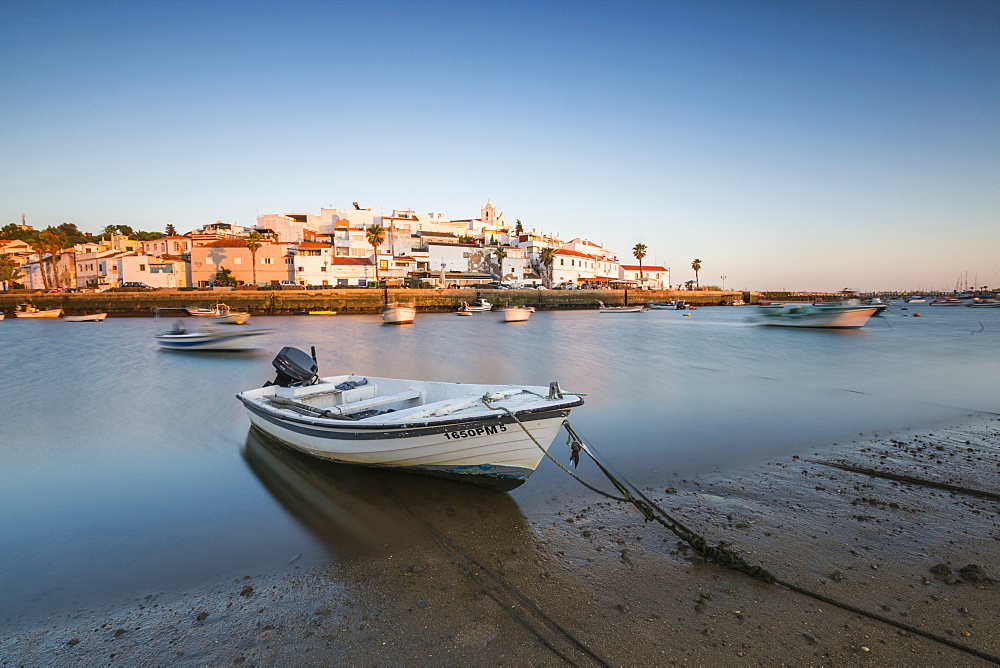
<point>350,261</point>
<point>574,254</point>
<point>645,267</point>
<point>225,243</point>
<point>312,245</point>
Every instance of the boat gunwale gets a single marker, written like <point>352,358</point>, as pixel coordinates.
<point>346,426</point>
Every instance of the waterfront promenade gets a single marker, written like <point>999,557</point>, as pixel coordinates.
<point>291,302</point>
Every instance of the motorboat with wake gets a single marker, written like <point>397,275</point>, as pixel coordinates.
<point>850,314</point>
<point>491,435</point>
<point>211,338</point>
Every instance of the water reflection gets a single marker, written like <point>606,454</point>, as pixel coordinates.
<point>354,511</point>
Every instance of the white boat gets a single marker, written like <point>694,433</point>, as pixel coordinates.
<point>1,315</point>
<point>619,309</point>
<point>915,299</point>
<point>947,301</point>
<point>517,313</point>
<point>672,305</point>
<point>478,305</point>
<point>399,313</point>
<point>222,314</point>
<point>210,338</point>
<point>467,432</point>
<point>27,310</point>
<point>881,305</point>
<point>984,303</point>
<point>90,317</point>
<point>836,315</point>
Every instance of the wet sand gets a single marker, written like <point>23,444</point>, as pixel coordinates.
<point>467,579</point>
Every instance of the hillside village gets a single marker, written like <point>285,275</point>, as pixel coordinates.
<point>332,249</point>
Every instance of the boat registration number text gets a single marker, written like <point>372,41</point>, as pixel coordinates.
<point>472,433</point>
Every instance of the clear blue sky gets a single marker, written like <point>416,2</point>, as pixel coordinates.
<point>788,145</point>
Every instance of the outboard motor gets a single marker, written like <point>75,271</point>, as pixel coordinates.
<point>294,368</point>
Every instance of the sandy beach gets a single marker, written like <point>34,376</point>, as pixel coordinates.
<point>588,582</point>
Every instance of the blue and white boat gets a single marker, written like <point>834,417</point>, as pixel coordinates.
<point>467,432</point>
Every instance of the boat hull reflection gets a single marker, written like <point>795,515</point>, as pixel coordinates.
<point>355,511</point>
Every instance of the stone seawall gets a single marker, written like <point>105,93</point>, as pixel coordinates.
<point>291,302</point>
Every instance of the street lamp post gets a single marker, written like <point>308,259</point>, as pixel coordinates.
<point>723,277</point>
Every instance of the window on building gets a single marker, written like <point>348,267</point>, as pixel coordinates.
<point>267,260</point>
<point>323,268</point>
<point>142,267</point>
<point>300,269</point>
<point>237,260</point>
<point>383,264</point>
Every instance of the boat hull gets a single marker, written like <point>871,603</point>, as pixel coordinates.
<point>516,314</point>
<point>816,317</point>
<point>485,445</point>
<point>49,313</point>
<point>399,314</point>
<point>621,309</point>
<point>195,341</point>
<point>91,317</point>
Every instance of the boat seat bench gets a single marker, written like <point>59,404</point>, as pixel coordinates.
<point>365,404</point>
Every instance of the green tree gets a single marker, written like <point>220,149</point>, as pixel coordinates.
<point>518,228</point>
<point>500,253</point>
<point>375,234</point>
<point>9,272</point>
<point>548,257</point>
<point>253,243</point>
<point>224,277</point>
<point>696,265</point>
<point>639,251</point>
<point>170,231</point>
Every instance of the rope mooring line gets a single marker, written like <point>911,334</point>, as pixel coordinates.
<point>450,548</point>
<point>720,554</point>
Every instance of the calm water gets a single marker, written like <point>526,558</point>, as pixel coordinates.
<point>127,470</point>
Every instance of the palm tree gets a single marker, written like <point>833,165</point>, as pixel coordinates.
<point>9,271</point>
<point>47,243</point>
<point>375,235</point>
<point>500,254</point>
<point>639,251</point>
<point>548,257</point>
<point>253,243</point>
<point>696,265</point>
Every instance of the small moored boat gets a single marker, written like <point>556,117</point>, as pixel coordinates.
<point>89,317</point>
<point>672,305</point>
<point>29,310</point>
<point>517,313</point>
<point>478,305</point>
<point>399,313</point>
<point>948,301</point>
<point>222,314</point>
<point>984,303</point>
<point>620,309</point>
<point>467,432</point>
